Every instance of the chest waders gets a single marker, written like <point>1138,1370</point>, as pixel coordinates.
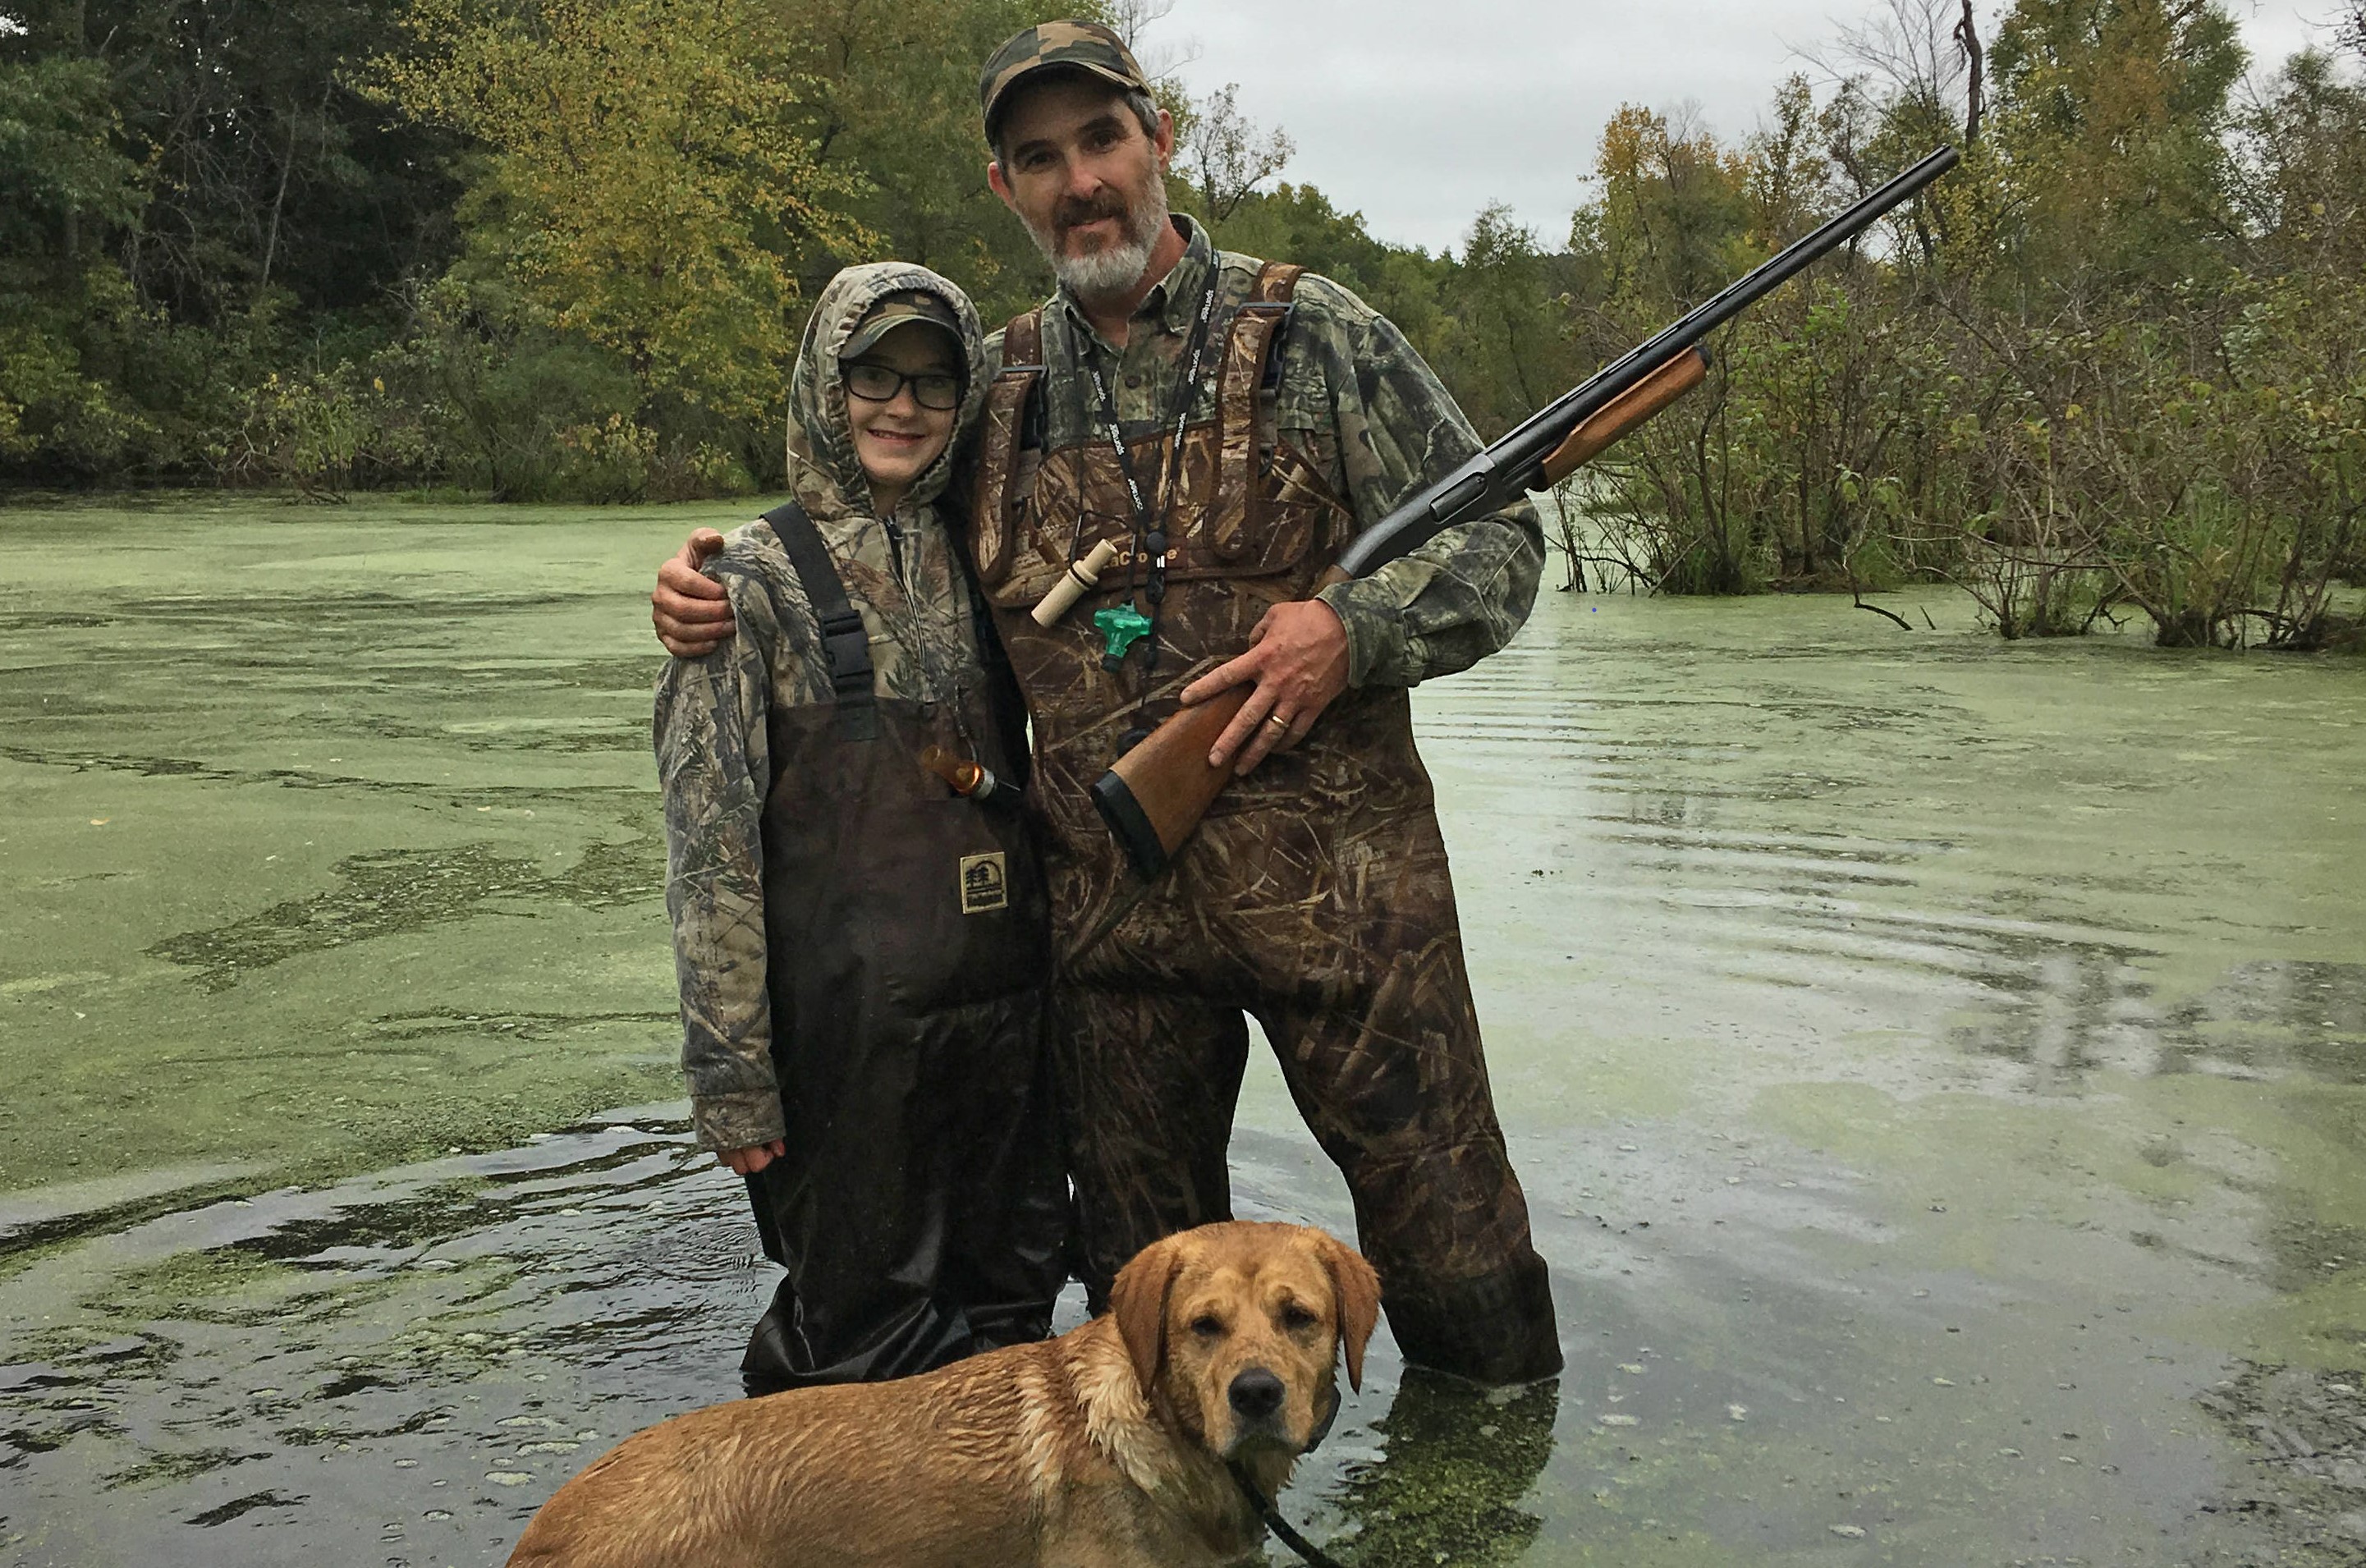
<point>1314,896</point>
<point>920,1209</point>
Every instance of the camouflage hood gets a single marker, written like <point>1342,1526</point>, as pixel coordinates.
<point>823,470</point>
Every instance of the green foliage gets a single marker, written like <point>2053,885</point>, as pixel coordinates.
<point>2113,360</point>
<point>1504,339</point>
<point>890,101</point>
<point>58,157</point>
<point>187,202</point>
<point>646,185</point>
<point>1299,223</point>
<point>546,249</point>
<point>258,167</point>
<point>2111,113</point>
<point>59,171</point>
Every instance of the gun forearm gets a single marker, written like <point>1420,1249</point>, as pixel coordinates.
<point>1684,371</point>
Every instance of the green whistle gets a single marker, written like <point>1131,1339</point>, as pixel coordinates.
<point>1123,626</point>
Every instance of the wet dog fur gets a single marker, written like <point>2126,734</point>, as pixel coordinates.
<point>1105,1448</point>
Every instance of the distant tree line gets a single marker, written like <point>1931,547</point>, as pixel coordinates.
<point>561,249</point>
<point>2115,364</point>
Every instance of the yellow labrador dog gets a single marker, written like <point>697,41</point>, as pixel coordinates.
<point>1105,1448</point>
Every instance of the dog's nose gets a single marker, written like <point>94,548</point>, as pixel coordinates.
<point>1255,1393</point>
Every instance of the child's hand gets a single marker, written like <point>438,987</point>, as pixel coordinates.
<point>754,1157</point>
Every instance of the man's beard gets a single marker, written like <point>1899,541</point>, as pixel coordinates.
<point>1114,269</point>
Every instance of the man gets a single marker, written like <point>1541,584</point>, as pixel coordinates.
<point>1229,426</point>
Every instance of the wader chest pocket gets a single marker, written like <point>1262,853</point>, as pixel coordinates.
<point>1084,486</point>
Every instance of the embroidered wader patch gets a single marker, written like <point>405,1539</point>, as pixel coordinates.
<point>984,884</point>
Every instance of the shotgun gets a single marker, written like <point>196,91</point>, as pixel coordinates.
<point>1157,792</point>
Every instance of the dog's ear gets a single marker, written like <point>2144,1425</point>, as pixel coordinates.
<point>1138,1303</point>
<point>1356,1290</point>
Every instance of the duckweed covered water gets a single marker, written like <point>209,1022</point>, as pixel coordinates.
<point>1935,1065</point>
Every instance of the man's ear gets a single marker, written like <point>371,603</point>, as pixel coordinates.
<point>996,182</point>
<point>1165,139</point>
<point>1356,1293</point>
<point>1138,1304</point>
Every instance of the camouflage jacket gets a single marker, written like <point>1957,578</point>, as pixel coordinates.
<point>1357,398</point>
<point>905,578</point>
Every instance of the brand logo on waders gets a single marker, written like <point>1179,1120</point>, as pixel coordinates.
<point>984,884</point>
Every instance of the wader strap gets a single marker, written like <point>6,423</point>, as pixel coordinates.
<point>1022,340</point>
<point>1011,423</point>
<point>845,644</point>
<point>1247,369</point>
<point>1278,283</point>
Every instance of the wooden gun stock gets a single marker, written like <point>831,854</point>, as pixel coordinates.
<point>1154,796</point>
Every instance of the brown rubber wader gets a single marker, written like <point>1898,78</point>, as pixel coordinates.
<point>1313,898</point>
<point>921,1209</point>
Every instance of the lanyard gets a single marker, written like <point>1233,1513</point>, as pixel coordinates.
<point>1149,533</point>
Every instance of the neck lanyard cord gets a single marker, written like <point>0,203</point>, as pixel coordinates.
<point>1149,536</point>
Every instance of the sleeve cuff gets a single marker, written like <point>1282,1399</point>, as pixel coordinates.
<point>736,1120</point>
<point>1368,611</point>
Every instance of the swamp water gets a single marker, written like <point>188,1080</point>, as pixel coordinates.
<point>1938,1068</point>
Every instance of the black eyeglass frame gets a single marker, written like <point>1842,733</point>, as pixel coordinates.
<point>951,378</point>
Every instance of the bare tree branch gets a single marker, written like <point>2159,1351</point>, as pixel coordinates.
<point>1228,153</point>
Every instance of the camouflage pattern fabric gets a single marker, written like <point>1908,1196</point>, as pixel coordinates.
<point>903,578</point>
<point>1079,46</point>
<point>1315,895</point>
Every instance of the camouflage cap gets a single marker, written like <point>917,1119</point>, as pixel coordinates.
<point>1076,46</point>
<point>906,305</point>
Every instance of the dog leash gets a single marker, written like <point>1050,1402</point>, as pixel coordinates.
<point>1268,1510</point>
<point>1313,1555</point>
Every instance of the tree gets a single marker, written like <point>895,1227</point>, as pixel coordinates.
<point>1670,222</point>
<point>1228,153</point>
<point>266,213</point>
<point>890,102</point>
<point>60,177</point>
<point>646,182</point>
<point>262,167</point>
<point>2112,115</point>
<point>1507,342</point>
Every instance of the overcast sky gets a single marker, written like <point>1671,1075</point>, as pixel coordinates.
<point>1417,114</point>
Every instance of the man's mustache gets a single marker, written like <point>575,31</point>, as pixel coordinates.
<point>1073,213</point>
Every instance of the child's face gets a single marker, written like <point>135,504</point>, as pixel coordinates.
<point>897,440</point>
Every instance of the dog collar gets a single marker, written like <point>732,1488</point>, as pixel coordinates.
<point>1323,1427</point>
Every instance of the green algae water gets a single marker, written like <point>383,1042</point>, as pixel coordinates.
<point>1937,1067</point>
<point>330,837</point>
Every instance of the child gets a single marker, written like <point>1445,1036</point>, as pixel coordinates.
<point>862,950</point>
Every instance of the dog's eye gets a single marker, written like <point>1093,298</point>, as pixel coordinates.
<point>1296,1318</point>
<point>1208,1326</point>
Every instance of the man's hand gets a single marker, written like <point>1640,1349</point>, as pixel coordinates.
<point>691,611</point>
<point>755,1157</point>
<point>1298,661</point>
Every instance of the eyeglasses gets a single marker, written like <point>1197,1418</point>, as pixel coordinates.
<point>876,383</point>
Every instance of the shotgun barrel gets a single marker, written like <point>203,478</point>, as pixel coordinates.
<point>1157,792</point>
<point>1514,464</point>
